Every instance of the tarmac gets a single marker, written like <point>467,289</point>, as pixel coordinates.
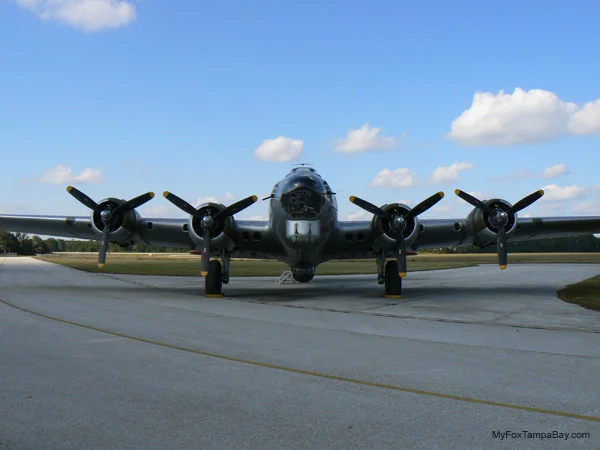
<point>122,361</point>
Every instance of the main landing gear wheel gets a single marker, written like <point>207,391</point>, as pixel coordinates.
<point>213,282</point>
<point>393,282</point>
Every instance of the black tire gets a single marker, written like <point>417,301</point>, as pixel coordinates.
<point>393,282</point>
<point>213,281</point>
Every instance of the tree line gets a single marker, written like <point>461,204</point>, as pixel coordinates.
<point>23,244</point>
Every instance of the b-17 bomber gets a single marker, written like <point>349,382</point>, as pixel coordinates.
<point>303,229</point>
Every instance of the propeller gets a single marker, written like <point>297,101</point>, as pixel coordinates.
<point>108,215</point>
<point>398,222</point>
<point>499,218</point>
<point>208,221</point>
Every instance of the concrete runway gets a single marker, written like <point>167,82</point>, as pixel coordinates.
<point>111,361</point>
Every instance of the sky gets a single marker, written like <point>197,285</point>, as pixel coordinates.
<point>390,101</point>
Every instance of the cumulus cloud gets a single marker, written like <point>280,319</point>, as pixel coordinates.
<point>65,175</point>
<point>280,149</point>
<point>357,215</point>
<point>85,15</point>
<point>229,197</point>
<point>202,200</point>
<point>555,171</point>
<point>523,117</point>
<point>586,208</point>
<point>555,192</point>
<point>477,194</point>
<point>449,174</point>
<point>156,211</point>
<point>365,139</point>
<point>398,178</point>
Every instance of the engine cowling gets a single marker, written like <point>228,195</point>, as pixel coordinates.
<point>484,230</point>
<point>218,232</point>
<point>384,227</point>
<point>122,226</point>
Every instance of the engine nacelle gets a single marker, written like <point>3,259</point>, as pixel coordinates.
<point>218,233</point>
<point>122,227</point>
<point>383,227</point>
<point>484,231</point>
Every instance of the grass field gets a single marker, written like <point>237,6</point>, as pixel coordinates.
<point>586,293</point>
<point>185,264</point>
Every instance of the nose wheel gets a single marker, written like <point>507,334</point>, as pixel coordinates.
<point>213,281</point>
<point>392,280</point>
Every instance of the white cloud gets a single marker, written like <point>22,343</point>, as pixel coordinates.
<point>394,179</point>
<point>156,211</point>
<point>229,197</point>
<point>280,149</point>
<point>555,171</point>
<point>555,192</point>
<point>86,15</point>
<point>449,174</point>
<point>444,208</point>
<point>258,217</point>
<point>477,194</point>
<point>365,139</point>
<point>357,215</point>
<point>586,208</point>
<point>64,175</point>
<point>586,121</point>
<point>202,200</point>
<point>523,117</point>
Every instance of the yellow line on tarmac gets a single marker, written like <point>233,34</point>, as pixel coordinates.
<point>314,374</point>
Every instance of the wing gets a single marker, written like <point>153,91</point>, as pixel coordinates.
<point>247,239</point>
<point>551,227</point>
<point>357,240</point>
<point>65,226</point>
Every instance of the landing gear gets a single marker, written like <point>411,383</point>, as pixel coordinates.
<point>393,282</point>
<point>213,282</point>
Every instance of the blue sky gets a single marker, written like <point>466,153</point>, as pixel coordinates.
<point>157,95</point>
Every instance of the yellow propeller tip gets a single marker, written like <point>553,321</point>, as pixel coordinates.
<point>457,191</point>
<point>151,194</point>
<point>502,267</point>
<point>352,198</point>
<point>69,188</point>
<point>441,194</point>
<point>402,274</point>
<point>541,191</point>
<point>254,198</point>
<point>166,194</point>
<point>100,266</point>
<point>204,274</point>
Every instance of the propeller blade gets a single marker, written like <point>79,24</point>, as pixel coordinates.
<point>370,207</point>
<point>502,249</point>
<point>182,204</point>
<point>204,263</point>
<point>525,202</point>
<point>103,246</point>
<point>473,201</point>
<point>134,203</point>
<point>424,205</point>
<point>236,207</point>
<point>401,246</point>
<point>83,198</point>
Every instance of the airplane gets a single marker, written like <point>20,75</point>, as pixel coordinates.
<point>303,229</point>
